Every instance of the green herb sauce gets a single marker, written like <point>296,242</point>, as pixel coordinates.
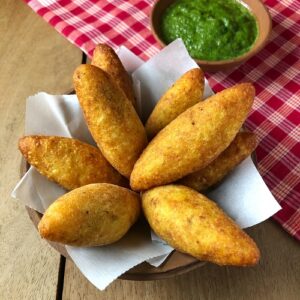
<point>210,29</point>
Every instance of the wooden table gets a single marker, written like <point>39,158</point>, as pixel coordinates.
<point>34,57</point>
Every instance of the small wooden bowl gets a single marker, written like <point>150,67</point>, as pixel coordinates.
<point>256,7</point>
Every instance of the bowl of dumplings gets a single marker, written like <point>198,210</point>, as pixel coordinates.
<point>153,173</point>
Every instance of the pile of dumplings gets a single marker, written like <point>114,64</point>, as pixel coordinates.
<point>155,171</point>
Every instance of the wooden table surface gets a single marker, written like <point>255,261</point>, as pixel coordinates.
<point>34,57</point>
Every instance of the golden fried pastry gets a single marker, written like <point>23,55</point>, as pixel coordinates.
<point>193,224</point>
<point>240,148</point>
<point>111,118</point>
<point>104,57</point>
<point>185,92</point>
<point>92,215</point>
<point>194,139</point>
<point>68,162</point>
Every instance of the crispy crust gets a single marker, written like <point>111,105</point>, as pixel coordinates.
<point>240,148</point>
<point>69,162</point>
<point>93,215</point>
<point>184,93</point>
<point>111,118</point>
<point>194,138</point>
<point>104,57</point>
<point>193,224</point>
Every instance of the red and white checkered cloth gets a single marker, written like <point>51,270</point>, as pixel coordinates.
<point>275,72</point>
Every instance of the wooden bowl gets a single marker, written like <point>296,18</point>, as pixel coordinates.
<point>256,7</point>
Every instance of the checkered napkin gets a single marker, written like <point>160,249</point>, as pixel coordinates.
<point>275,72</point>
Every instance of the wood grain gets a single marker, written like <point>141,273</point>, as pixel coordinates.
<point>276,277</point>
<point>33,58</point>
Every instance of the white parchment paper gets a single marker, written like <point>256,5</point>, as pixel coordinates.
<point>243,195</point>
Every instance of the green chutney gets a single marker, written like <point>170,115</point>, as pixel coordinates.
<point>210,29</point>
